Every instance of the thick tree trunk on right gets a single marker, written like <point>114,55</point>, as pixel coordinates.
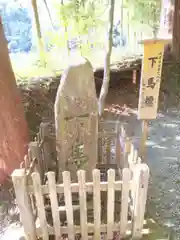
<point>166,18</point>
<point>166,26</point>
<point>176,31</point>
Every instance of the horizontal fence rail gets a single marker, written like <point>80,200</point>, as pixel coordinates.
<point>132,198</point>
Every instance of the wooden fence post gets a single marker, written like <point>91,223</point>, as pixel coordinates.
<point>127,147</point>
<point>110,203</point>
<point>126,177</point>
<point>44,135</point>
<point>54,204</point>
<point>131,157</point>
<point>40,204</point>
<point>35,153</point>
<point>97,203</point>
<point>108,150</point>
<point>144,137</point>
<point>19,182</point>
<point>83,204</point>
<point>118,146</point>
<point>68,204</point>
<point>140,179</point>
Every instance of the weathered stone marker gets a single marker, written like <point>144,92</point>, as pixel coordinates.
<point>76,119</point>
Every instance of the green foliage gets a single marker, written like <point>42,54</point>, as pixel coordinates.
<point>78,18</point>
<point>81,15</point>
<point>147,12</point>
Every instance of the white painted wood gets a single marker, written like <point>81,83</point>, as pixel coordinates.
<point>122,131</point>
<point>83,205</point>
<point>110,203</point>
<point>139,160</point>
<point>119,162</point>
<point>135,156</point>
<point>34,152</point>
<point>26,162</point>
<point>132,149</point>
<point>96,203</point>
<point>45,162</point>
<point>40,204</point>
<point>77,229</point>
<point>126,152</point>
<point>22,199</point>
<point>130,160</point>
<point>133,188</point>
<point>68,204</point>
<point>141,178</point>
<point>54,204</point>
<point>131,157</point>
<point>75,187</point>
<point>138,185</point>
<point>126,177</point>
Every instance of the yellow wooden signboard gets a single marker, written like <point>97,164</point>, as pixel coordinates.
<point>150,78</point>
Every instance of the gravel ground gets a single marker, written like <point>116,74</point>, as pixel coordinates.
<point>163,155</point>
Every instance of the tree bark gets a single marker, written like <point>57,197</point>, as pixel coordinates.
<point>66,32</point>
<point>13,126</point>
<point>49,13</point>
<point>166,19</point>
<point>106,78</point>
<point>176,32</point>
<point>38,30</point>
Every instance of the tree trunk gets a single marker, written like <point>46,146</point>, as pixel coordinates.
<point>49,13</point>
<point>66,32</point>
<point>166,25</point>
<point>13,127</point>
<point>38,30</point>
<point>166,19</point>
<point>155,32</point>
<point>106,78</point>
<point>122,17</point>
<point>176,32</point>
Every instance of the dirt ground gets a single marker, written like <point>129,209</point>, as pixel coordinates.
<point>162,157</point>
<point>163,143</point>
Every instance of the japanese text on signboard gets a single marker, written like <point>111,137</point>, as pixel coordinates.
<point>150,79</point>
<point>148,99</point>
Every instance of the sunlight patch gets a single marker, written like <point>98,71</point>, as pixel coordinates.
<point>170,125</point>
<point>159,147</point>
<point>150,143</point>
<point>177,138</point>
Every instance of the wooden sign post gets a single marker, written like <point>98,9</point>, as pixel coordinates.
<point>150,85</point>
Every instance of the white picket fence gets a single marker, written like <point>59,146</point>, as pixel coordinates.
<point>133,187</point>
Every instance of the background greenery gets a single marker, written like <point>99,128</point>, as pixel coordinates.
<point>76,26</point>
